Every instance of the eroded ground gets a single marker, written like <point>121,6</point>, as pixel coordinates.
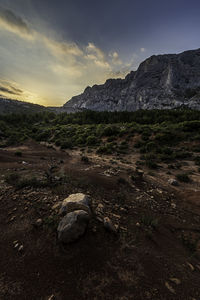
<point>155,255</point>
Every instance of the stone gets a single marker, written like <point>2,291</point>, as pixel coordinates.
<point>190,266</point>
<point>72,226</point>
<point>38,222</point>
<point>175,280</point>
<point>21,248</point>
<point>57,206</point>
<point>170,288</point>
<point>173,182</point>
<point>109,225</point>
<point>74,202</point>
<point>100,209</point>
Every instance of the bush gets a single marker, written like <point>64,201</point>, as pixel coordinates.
<point>183,177</point>
<point>85,159</point>
<point>107,149</point>
<point>110,130</point>
<point>12,178</point>
<point>197,160</point>
<point>91,140</point>
<point>66,144</point>
<point>18,153</point>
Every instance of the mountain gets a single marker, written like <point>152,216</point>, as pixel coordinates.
<point>161,82</point>
<point>14,106</point>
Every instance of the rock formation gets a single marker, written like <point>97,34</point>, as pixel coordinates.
<point>161,82</point>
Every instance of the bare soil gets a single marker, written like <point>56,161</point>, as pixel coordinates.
<point>155,255</point>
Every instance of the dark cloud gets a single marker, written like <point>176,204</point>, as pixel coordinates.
<point>11,90</point>
<point>14,22</point>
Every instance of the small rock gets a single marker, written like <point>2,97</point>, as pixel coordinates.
<point>173,205</point>
<point>138,224</point>
<point>169,287</point>
<point>38,222</point>
<point>21,248</point>
<point>100,209</point>
<point>175,280</point>
<point>190,266</point>
<point>173,182</point>
<point>109,225</point>
<point>57,206</point>
<point>52,297</point>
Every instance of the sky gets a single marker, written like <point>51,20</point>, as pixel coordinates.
<point>51,50</point>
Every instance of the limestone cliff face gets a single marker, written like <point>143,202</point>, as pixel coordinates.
<point>162,81</point>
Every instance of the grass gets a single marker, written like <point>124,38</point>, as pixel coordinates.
<point>149,220</point>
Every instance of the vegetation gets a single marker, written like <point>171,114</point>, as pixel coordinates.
<point>160,136</point>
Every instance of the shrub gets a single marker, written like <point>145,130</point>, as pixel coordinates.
<point>151,164</point>
<point>12,178</point>
<point>91,140</point>
<point>85,159</point>
<point>107,149</point>
<point>183,177</point>
<point>18,153</point>
<point>197,160</point>
<point>149,220</point>
<point>66,144</point>
<point>110,130</point>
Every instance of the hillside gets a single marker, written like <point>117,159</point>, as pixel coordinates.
<point>161,82</point>
<point>8,106</point>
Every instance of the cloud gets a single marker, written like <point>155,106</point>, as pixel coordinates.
<point>115,58</point>
<point>14,23</point>
<point>8,88</point>
<point>142,49</point>
<point>51,69</point>
<point>11,90</point>
<point>61,48</point>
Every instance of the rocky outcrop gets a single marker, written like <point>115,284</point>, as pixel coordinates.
<point>161,82</point>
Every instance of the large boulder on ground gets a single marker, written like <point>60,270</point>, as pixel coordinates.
<point>72,226</point>
<point>75,202</point>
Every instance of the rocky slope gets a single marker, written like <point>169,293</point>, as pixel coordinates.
<point>161,82</point>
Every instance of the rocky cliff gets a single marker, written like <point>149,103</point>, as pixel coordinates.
<point>161,82</point>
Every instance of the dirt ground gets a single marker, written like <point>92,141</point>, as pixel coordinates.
<point>155,254</point>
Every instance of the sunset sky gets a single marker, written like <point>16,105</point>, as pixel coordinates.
<point>52,50</point>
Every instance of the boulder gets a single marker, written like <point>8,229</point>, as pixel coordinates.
<point>73,226</point>
<point>75,202</point>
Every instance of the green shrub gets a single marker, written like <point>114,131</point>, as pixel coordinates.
<point>183,177</point>
<point>110,130</point>
<point>66,144</point>
<point>85,159</point>
<point>18,153</point>
<point>91,140</point>
<point>197,160</point>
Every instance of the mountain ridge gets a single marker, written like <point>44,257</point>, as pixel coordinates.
<point>161,81</point>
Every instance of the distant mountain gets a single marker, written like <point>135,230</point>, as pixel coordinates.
<point>14,106</point>
<point>161,82</point>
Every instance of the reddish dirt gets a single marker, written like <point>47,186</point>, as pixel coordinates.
<point>158,238</point>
